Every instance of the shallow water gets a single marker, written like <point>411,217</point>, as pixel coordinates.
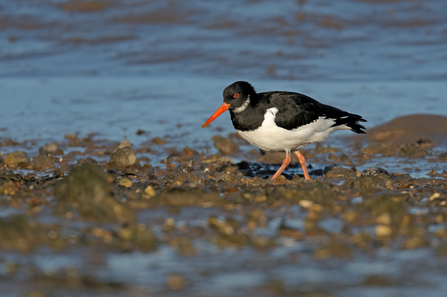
<point>116,107</point>
<point>112,68</point>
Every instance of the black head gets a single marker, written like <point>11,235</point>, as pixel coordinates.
<point>237,94</point>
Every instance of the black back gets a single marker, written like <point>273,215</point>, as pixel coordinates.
<point>294,110</point>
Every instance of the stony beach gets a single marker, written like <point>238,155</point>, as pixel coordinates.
<point>103,199</point>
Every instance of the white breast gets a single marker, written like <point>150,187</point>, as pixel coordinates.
<point>270,137</point>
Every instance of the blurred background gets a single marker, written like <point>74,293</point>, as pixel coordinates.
<point>113,67</point>
<point>253,39</point>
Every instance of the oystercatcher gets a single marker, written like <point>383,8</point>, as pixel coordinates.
<point>283,121</point>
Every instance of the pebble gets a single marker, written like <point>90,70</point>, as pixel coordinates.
<point>41,163</point>
<point>306,203</point>
<point>226,146</point>
<point>15,158</point>
<point>374,171</point>
<point>73,140</point>
<point>339,172</point>
<point>149,192</point>
<point>51,149</point>
<point>125,182</point>
<point>158,140</point>
<point>175,282</point>
<point>383,230</point>
<point>88,188</point>
<point>123,156</point>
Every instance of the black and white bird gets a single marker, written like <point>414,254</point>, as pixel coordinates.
<point>283,121</point>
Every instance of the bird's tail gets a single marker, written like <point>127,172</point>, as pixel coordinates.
<point>352,122</point>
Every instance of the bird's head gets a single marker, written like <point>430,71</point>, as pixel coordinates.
<point>236,97</point>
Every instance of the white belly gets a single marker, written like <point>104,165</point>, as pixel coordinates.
<point>270,137</point>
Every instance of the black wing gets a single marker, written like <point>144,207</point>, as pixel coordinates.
<point>295,110</point>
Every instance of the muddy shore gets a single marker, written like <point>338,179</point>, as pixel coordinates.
<point>98,199</point>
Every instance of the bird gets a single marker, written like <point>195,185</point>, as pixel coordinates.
<point>283,121</point>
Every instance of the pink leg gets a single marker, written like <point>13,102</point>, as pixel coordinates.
<point>303,164</point>
<point>285,163</point>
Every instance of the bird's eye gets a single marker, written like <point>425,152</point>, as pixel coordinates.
<point>235,95</point>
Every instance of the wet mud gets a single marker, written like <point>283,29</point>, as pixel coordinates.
<point>101,200</point>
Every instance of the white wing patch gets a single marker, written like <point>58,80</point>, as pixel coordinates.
<point>273,111</point>
<point>270,137</point>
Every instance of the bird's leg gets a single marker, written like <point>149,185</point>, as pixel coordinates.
<point>285,163</point>
<point>303,164</point>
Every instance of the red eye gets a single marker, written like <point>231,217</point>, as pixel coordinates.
<point>235,95</point>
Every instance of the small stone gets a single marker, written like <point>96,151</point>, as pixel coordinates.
<point>7,142</point>
<point>281,179</point>
<point>26,166</point>
<point>158,140</point>
<point>41,163</point>
<point>226,146</point>
<point>190,152</point>
<point>123,156</point>
<point>9,188</point>
<point>433,173</point>
<point>383,231</point>
<point>175,282</point>
<point>125,182</point>
<point>415,150</point>
<point>88,188</point>
<point>384,219</point>
<point>374,171</point>
<point>333,157</point>
<point>442,156</point>
<point>73,140</point>
<point>15,158</point>
<point>306,203</point>
<point>434,196</point>
<point>228,169</point>
<point>149,192</point>
<point>140,132</point>
<point>339,172</point>
<point>51,149</point>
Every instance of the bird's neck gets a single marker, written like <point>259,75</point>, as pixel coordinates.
<point>248,118</point>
